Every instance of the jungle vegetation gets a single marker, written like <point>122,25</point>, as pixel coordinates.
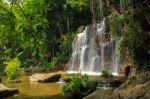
<point>40,32</point>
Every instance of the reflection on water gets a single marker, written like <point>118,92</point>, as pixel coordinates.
<point>33,90</point>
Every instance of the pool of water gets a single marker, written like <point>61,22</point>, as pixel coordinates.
<point>34,90</point>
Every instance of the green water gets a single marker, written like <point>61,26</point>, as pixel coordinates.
<point>33,90</point>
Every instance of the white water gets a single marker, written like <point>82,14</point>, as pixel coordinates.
<point>85,58</point>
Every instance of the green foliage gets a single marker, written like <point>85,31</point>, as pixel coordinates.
<point>79,3</point>
<point>40,29</point>
<point>114,26</point>
<point>127,16</point>
<point>78,86</point>
<point>49,65</point>
<point>54,62</point>
<point>130,27</point>
<point>43,29</point>
<point>106,74</point>
<point>118,46</point>
<point>105,9</point>
<point>65,47</point>
<point>1,67</point>
<point>12,68</point>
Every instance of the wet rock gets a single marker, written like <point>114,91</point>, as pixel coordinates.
<point>64,76</point>
<point>66,79</point>
<point>81,29</point>
<point>15,81</point>
<point>136,87</point>
<point>108,84</point>
<point>45,78</point>
<point>5,92</point>
<point>115,83</point>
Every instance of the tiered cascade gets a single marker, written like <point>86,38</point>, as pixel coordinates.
<point>92,53</point>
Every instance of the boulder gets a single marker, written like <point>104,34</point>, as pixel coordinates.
<point>136,87</point>
<point>100,94</point>
<point>5,92</point>
<point>124,69</point>
<point>64,76</point>
<point>45,78</point>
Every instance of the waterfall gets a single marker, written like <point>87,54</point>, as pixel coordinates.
<point>85,57</point>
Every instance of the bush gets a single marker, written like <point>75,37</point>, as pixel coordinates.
<point>79,86</point>
<point>106,74</point>
<point>12,68</point>
<point>54,61</point>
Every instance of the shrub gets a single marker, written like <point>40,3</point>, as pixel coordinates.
<point>106,74</point>
<point>12,68</point>
<point>54,62</point>
<point>79,86</point>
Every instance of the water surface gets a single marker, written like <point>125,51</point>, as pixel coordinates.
<point>34,90</point>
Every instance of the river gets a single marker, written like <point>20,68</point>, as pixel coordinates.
<point>34,90</point>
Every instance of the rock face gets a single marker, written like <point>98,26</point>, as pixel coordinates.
<point>136,87</point>
<point>100,94</point>
<point>5,92</point>
<point>124,69</point>
<point>45,78</point>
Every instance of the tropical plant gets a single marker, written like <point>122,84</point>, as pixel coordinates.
<point>12,68</point>
<point>106,74</point>
<point>78,86</point>
<point>131,27</point>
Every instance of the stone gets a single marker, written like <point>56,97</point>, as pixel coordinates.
<point>115,83</point>
<point>5,92</point>
<point>100,94</point>
<point>125,69</point>
<point>15,81</point>
<point>45,78</point>
<point>140,91</point>
<point>136,87</point>
<point>64,76</point>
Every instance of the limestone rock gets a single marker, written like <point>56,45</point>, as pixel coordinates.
<point>124,68</point>
<point>5,92</point>
<point>100,94</point>
<point>45,78</point>
<point>136,87</point>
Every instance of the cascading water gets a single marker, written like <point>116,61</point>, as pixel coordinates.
<point>90,58</point>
